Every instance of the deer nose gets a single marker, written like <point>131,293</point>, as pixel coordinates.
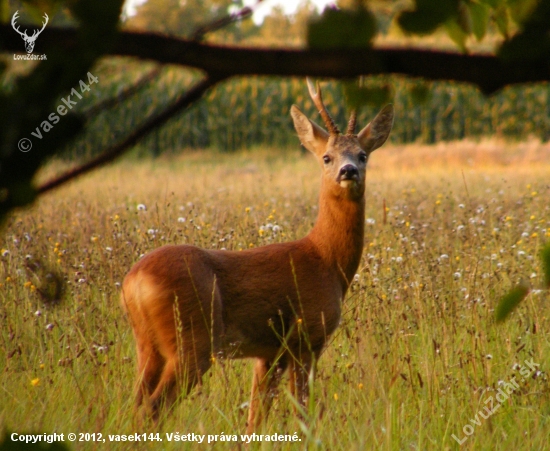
<point>348,172</point>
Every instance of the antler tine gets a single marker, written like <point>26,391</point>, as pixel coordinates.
<point>13,20</point>
<point>317,98</point>
<point>43,25</point>
<point>351,123</point>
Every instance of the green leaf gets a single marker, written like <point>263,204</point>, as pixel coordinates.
<point>545,255</point>
<point>457,34</point>
<point>520,10</point>
<point>428,15</point>
<point>493,3</point>
<point>532,44</point>
<point>501,19</point>
<point>510,301</point>
<point>358,96</point>
<point>419,22</point>
<point>480,19</point>
<point>464,19</point>
<point>342,29</point>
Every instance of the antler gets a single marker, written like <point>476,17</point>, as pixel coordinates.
<point>36,32</point>
<point>318,102</point>
<point>351,123</point>
<point>13,19</point>
<point>24,34</point>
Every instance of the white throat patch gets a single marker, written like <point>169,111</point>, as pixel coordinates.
<point>347,183</point>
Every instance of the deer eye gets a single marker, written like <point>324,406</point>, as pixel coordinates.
<point>326,159</point>
<point>363,157</point>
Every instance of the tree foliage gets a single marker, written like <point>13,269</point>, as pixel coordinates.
<point>337,39</point>
<point>174,17</point>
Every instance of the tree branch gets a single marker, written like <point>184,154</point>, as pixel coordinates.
<point>219,62</point>
<point>125,94</point>
<point>222,22</point>
<point>488,72</point>
<point>186,99</point>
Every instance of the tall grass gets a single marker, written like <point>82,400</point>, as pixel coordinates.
<point>416,355</point>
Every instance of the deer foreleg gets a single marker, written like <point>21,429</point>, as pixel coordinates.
<point>264,385</point>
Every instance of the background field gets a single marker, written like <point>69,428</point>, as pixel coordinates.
<point>416,355</point>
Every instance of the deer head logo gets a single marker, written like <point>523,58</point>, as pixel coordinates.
<point>29,40</point>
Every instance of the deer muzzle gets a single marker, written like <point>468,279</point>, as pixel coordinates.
<point>348,172</point>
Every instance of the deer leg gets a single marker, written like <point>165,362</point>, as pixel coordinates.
<point>149,361</point>
<point>264,385</point>
<point>164,394</point>
<point>300,371</point>
<point>173,378</point>
<point>187,352</point>
<point>150,364</point>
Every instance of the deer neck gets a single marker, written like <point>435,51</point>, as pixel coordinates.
<point>339,232</point>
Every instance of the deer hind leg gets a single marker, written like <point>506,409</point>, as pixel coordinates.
<point>264,385</point>
<point>149,361</point>
<point>165,393</point>
<point>179,376</point>
<point>182,370</point>
<point>301,368</point>
<point>149,368</point>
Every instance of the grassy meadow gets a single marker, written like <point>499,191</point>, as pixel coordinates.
<point>449,229</point>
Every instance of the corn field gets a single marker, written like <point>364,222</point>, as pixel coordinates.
<point>251,112</point>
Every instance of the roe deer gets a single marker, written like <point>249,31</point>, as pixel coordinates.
<point>277,303</point>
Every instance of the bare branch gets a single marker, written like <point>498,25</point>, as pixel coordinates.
<point>486,71</point>
<point>217,24</point>
<point>192,95</point>
<point>123,95</point>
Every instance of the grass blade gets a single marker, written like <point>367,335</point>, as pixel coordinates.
<point>545,255</point>
<point>510,301</point>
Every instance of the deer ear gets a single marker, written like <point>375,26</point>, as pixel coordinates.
<point>376,133</point>
<point>312,137</point>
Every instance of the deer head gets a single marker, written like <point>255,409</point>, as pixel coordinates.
<point>29,40</point>
<point>342,157</point>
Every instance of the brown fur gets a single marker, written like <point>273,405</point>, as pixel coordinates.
<point>277,303</point>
